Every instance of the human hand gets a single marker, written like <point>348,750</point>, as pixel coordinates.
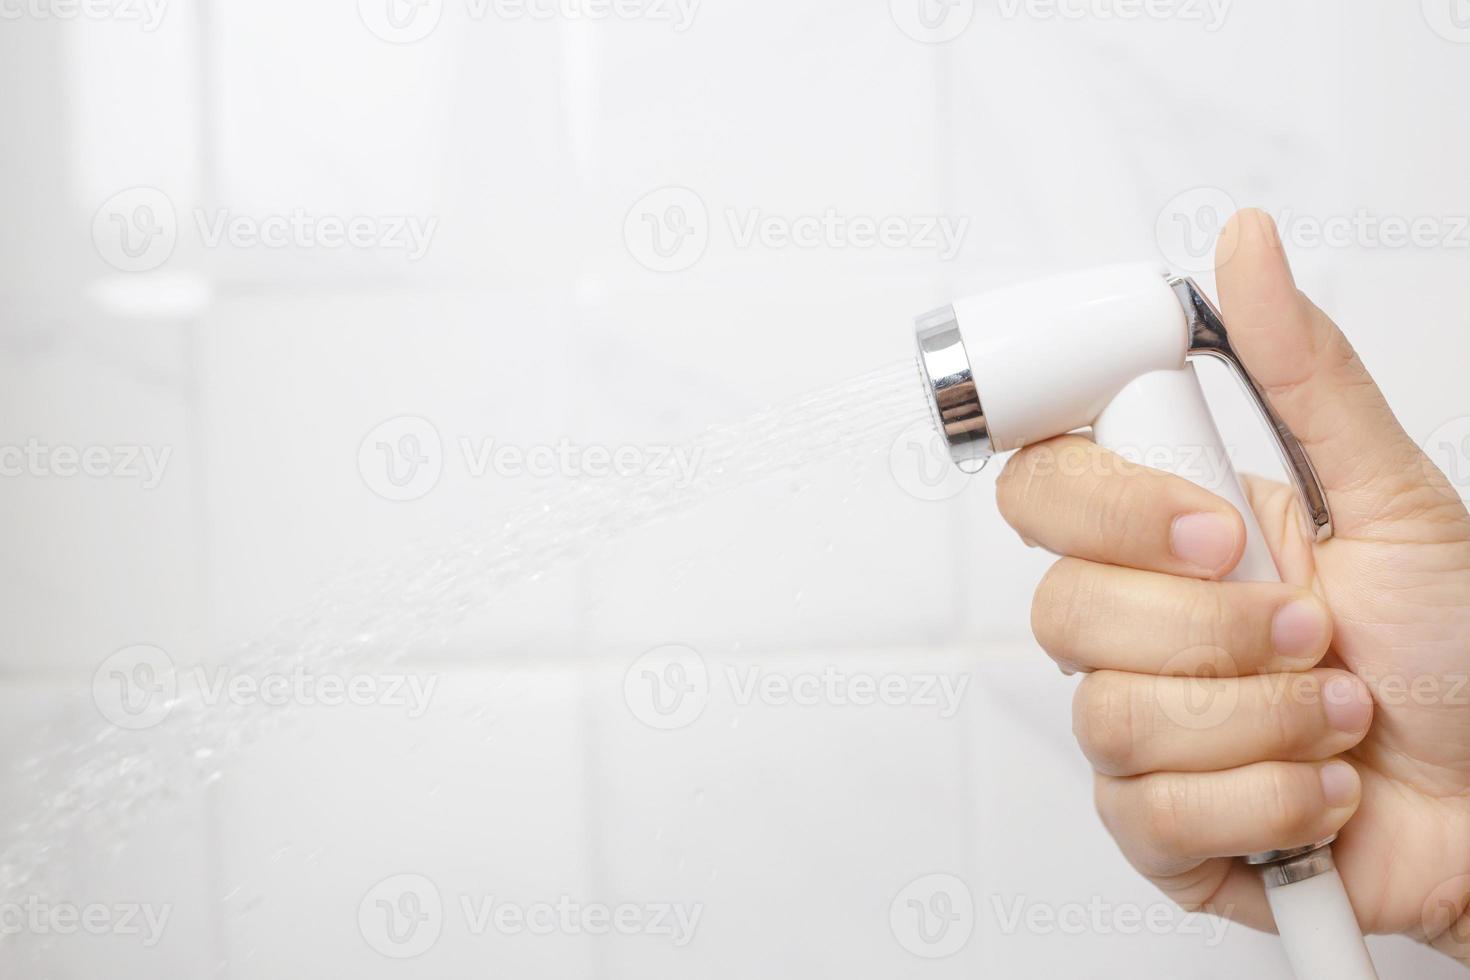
<point>1340,697</point>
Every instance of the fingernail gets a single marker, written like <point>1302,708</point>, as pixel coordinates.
<point>1348,710</point>
<point>1298,630</point>
<point>1206,541</point>
<point>1339,784</point>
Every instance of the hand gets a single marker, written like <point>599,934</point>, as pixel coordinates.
<point>1341,698</point>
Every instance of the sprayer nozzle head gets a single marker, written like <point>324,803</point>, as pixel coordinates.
<point>954,400</point>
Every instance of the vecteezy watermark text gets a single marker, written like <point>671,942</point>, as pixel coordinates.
<point>37,917</point>
<point>670,686</point>
<point>147,14</point>
<point>1100,917</point>
<point>404,459</point>
<point>408,233</point>
<point>565,458</point>
<point>404,915</point>
<point>40,460</point>
<point>1189,227</point>
<point>409,21</point>
<point>137,230</point>
<point>1211,14</point>
<point>840,688</point>
<point>831,229</point>
<point>669,230</point>
<point>138,687</point>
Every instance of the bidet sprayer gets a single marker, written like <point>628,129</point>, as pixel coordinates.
<point>1109,349</point>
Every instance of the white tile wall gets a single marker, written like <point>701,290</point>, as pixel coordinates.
<point>530,321</point>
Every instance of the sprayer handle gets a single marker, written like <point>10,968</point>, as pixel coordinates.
<point>1162,420</point>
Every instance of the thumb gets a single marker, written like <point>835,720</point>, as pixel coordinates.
<point>1369,466</point>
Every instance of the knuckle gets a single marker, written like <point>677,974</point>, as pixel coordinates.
<point>1016,488</point>
<point>1105,722</point>
<point>1291,716</point>
<point>1207,610</point>
<point>1165,804</point>
<point>1203,619</point>
<point>1106,801</point>
<point>1119,509</point>
<point>1006,491</point>
<point>1284,808</point>
<point>1113,800</point>
<point>1061,608</point>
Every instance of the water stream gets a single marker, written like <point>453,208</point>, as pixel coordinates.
<point>92,782</point>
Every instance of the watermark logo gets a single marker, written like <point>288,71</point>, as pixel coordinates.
<point>921,465</point>
<point>933,917</point>
<point>402,459</point>
<point>37,917</point>
<point>1190,224</point>
<point>667,688</point>
<point>401,21</point>
<point>136,230</point>
<point>1445,917</point>
<point>136,687</point>
<point>1448,447</point>
<point>1450,19</point>
<point>1209,694</point>
<point>148,14</point>
<point>401,916</point>
<point>667,230</point>
<point>932,21</point>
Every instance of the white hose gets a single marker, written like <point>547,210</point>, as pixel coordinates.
<point>1319,930</point>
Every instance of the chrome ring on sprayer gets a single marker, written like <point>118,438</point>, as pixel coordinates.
<point>1280,868</point>
<point>953,397</point>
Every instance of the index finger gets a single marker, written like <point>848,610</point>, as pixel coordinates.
<point>1076,498</point>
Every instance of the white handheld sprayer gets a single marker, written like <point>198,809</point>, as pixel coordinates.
<point>1110,349</point>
